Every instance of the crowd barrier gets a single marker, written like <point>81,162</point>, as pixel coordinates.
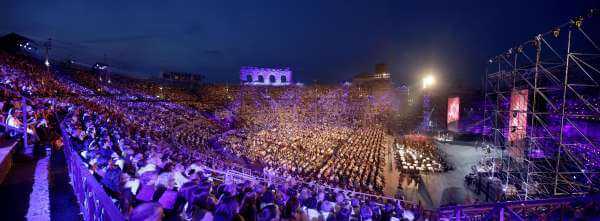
<point>94,202</point>
<point>510,210</point>
<point>237,176</point>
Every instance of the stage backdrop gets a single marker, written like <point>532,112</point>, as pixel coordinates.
<point>517,125</point>
<point>453,113</point>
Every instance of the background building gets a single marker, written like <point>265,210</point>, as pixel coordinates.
<point>182,77</point>
<point>381,75</point>
<point>266,76</point>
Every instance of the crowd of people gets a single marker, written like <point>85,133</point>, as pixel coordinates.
<point>152,174</point>
<point>220,152</point>
<point>154,148</point>
<point>137,172</point>
<point>336,156</point>
<point>418,154</point>
<point>333,134</point>
<point>18,77</point>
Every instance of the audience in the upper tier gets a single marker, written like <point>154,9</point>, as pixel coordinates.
<point>220,152</point>
<point>146,146</point>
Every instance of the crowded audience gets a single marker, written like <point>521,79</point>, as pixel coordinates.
<point>305,153</point>
<point>226,152</point>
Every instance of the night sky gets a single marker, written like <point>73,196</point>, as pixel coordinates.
<point>324,40</point>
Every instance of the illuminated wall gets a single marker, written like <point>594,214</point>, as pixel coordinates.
<point>453,113</point>
<point>265,76</point>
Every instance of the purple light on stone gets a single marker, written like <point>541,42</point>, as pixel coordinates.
<point>266,76</point>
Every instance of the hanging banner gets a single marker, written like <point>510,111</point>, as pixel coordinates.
<point>453,113</point>
<point>517,125</point>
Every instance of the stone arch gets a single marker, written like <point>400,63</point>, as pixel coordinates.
<point>261,78</point>
<point>272,79</point>
<point>249,78</point>
<point>283,79</point>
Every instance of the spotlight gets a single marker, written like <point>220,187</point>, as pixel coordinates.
<point>428,81</point>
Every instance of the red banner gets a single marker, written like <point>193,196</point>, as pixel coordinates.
<point>517,125</point>
<point>453,113</point>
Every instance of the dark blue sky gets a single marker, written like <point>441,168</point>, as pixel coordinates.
<point>328,40</point>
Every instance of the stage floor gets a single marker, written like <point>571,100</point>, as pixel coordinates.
<point>434,190</point>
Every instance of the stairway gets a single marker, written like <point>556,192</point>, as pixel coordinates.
<point>37,188</point>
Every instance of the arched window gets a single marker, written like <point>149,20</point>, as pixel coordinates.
<point>261,78</point>
<point>283,79</point>
<point>272,79</point>
<point>248,78</point>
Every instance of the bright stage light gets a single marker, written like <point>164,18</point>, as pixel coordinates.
<point>428,81</point>
<point>47,63</point>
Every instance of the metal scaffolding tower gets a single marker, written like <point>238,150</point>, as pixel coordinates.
<point>559,152</point>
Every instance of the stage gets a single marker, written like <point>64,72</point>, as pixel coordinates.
<point>437,189</point>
